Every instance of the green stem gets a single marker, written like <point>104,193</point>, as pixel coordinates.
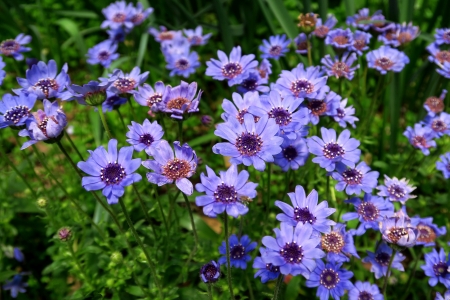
<point>121,118</point>
<point>6,159</point>
<point>387,273</point>
<point>209,289</point>
<point>161,209</point>
<point>288,183</point>
<point>144,209</point>
<point>180,131</point>
<point>188,204</point>
<point>227,242</point>
<point>278,285</point>
<point>308,47</point>
<point>250,289</point>
<point>73,145</point>
<point>411,277</point>
<point>105,124</point>
<point>77,262</point>
<point>131,107</point>
<point>269,170</point>
<point>63,150</point>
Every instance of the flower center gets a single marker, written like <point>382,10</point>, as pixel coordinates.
<point>46,85</point>
<point>352,176</point>
<point>317,107</point>
<point>178,103</point>
<point>302,46</point>
<point>321,31</point>
<point>237,252</point>
<point>146,139</point>
<point>292,253</point>
<point>384,63</point>
<point>435,104</point>
<point>225,193</point>
<point>448,167</point>
<point>440,269</point>
<point>9,47</point>
<point>301,85</point>
<point>404,37</point>
<point>195,40</point>
<point>340,40</point>
<point>446,36</point>
<point>304,215</point>
<point>231,70</point>
<point>365,296</point>
<point>125,84</point>
<point>16,113</point>
<point>438,125</point>
<point>359,44</point>
<point>119,17</point>
<point>154,99</point>
<point>272,268</point>
<point>182,64</point>
<point>250,84</point>
<point>103,55</point>
<point>248,143</point>
<point>333,242</point>
<point>137,18</point>
<point>396,233</point>
<point>443,56</point>
<point>426,234</point>
<point>43,126</point>
<point>290,153</point>
<point>368,211</point>
<point>209,271</point>
<point>333,150</point>
<point>341,113</point>
<point>383,258</point>
<point>396,191</point>
<point>340,69</point>
<point>113,173</point>
<point>419,141</point>
<point>281,115</point>
<point>275,50</point>
<point>329,278</point>
<point>241,114</point>
<point>176,169</point>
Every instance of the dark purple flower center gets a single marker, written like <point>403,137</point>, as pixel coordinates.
<point>384,62</point>
<point>317,107</point>
<point>446,36</point>
<point>396,191</point>
<point>281,115</point>
<point>154,99</point>
<point>103,55</point>
<point>304,215</point>
<point>443,56</point>
<point>365,296</point>
<point>46,85</point>
<point>225,193</point>
<point>439,125</point>
<point>340,40</point>
<point>9,47</point>
<point>368,211</point>
<point>396,233</point>
<point>231,70</point>
<point>340,69</point>
<point>383,258</point>
<point>43,126</point>
<point>125,84</point>
<point>290,153</point>
<point>359,44</point>
<point>275,50</point>
<point>178,103</point>
<point>352,176</point>
<point>146,139</point>
<point>332,150</point>
<point>341,113</point>
<point>195,40</point>
<point>249,143</point>
<point>272,268</point>
<point>113,173</point>
<point>119,17</point>
<point>292,253</point>
<point>440,269</point>
<point>329,278</point>
<point>333,242</point>
<point>301,85</point>
<point>435,104</point>
<point>137,18</point>
<point>209,271</point>
<point>448,167</point>
<point>176,168</point>
<point>14,114</point>
<point>241,114</point>
<point>182,64</point>
<point>302,46</point>
<point>426,234</point>
<point>237,251</point>
<point>250,84</point>
<point>321,31</point>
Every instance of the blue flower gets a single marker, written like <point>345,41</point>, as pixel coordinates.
<point>440,125</point>
<point>338,244</point>
<point>380,25</point>
<point>370,211</point>
<point>145,136</point>
<point>444,165</point>
<point>293,155</point>
<point>265,69</point>
<point>239,107</point>
<point>275,47</point>
<point>445,69</point>
<point>301,44</point>
<point>110,171</point>
<point>118,35</point>
<point>401,34</point>
<point>365,290</point>
<point>396,190</point>
<point>341,68</point>
<point>16,110</point>
<point>361,42</point>
<point>226,192</point>
<point>331,280</point>
<point>103,53</point>
<point>163,35</point>
<point>15,285</point>
<point>421,137</point>
<point>321,30</point>
<point>239,249</point>
<point>253,82</point>
<point>112,101</point>
<point>42,80</point>
<point>168,168</point>
<point>232,69</point>
<point>340,38</point>
<point>18,255</point>
<point>330,150</point>
<point>120,82</point>
<point>177,47</point>
<point>442,36</point>
<point>14,47</point>
<point>183,64</point>
<point>398,231</point>
<point>445,297</point>
<point>118,14</point>
<point>2,72</point>
<point>428,232</point>
<point>362,15</point>
<point>380,260</point>
<point>386,59</point>
<point>265,271</point>
<point>294,250</point>
<point>353,180</point>
<point>305,210</point>
<point>249,143</point>
<point>91,93</point>
<point>323,105</point>
<point>437,267</point>
<point>438,56</point>
<point>180,100</point>
<point>147,96</point>
<point>344,115</point>
<point>196,37</point>
<point>210,272</point>
<point>138,14</point>
<point>435,105</point>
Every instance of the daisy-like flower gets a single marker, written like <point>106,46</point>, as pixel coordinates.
<point>264,69</point>
<point>265,271</point>
<point>421,137</point>
<point>293,250</point>
<point>306,210</point>
<point>330,150</point>
<point>302,83</point>
<point>322,30</point>
<point>138,14</point>
<point>196,37</point>
<point>91,93</point>
<point>341,68</point>
<point>380,25</point>
<point>232,69</point>
<point>380,260</point>
<point>210,272</point>
<point>344,115</point>
<point>15,286</point>
<point>340,38</point>
<point>239,249</point>
<point>16,110</point>
<point>275,47</point>
<point>440,125</point>
<point>103,53</point>
<point>112,101</point>
<point>163,34</point>
<point>442,36</point>
<point>118,14</point>
<point>176,48</point>
<point>14,47</point>
<point>444,165</point>
<point>183,65</point>
<point>2,72</point>
<point>428,232</point>
<point>46,125</point>
<point>249,143</point>
<point>118,35</point>
<point>42,80</point>
<point>239,107</point>
<point>365,291</point>
<point>357,179</point>
<point>253,82</point>
<point>370,211</point>
<point>358,20</point>
<point>331,280</point>
<point>435,105</point>
<point>301,44</point>
<point>396,190</point>
<point>444,69</point>
<point>121,83</point>
<point>402,35</point>
<point>145,136</point>
<point>361,42</point>
<point>168,168</point>
<point>338,244</point>
<point>445,297</point>
<point>226,192</point>
<point>437,268</point>
<point>307,21</point>
<point>386,59</point>
<point>323,106</point>
<point>180,100</point>
<point>293,155</point>
<point>438,56</point>
<point>398,231</point>
<point>110,171</point>
<point>147,96</point>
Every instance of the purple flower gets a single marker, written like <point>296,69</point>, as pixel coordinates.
<point>305,210</point>
<point>47,125</point>
<point>380,260</point>
<point>265,271</point>
<point>147,96</point>
<point>196,37</point>
<point>442,36</point>
<point>183,64</point>
<point>163,34</point>
<point>358,19</point>
<point>398,231</point>
<point>118,35</point>
<point>338,244</point>
<point>294,250</point>
<point>293,155</point>
<point>428,232</point>
<point>117,14</point>
<point>2,72</point>
<point>253,82</point>
<point>322,30</point>
<point>402,34</point>
<point>265,69</point>
<point>239,107</point>
<point>421,137</point>
<point>301,44</point>
<point>340,68</point>
<point>302,83</point>
<point>42,80</point>
<point>365,290</point>
<point>168,168</point>
<point>440,125</point>
<point>18,255</point>
<point>210,272</point>
<point>15,285</point>
<point>339,38</point>
<point>91,93</point>
<point>138,14</point>
<point>110,171</point>
<point>239,249</point>
<point>344,115</point>
<point>16,110</point>
<point>232,69</point>
<point>396,190</point>
<point>226,192</point>
<point>435,105</point>
<point>370,211</point>
<point>438,56</point>
<point>145,136</point>
<point>178,47</point>
<point>121,82</point>
<point>330,150</point>
<point>180,99</point>
<point>444,165</point>
<point>323,106</point>
<point>275,47</point>
<point>445,69</point>
<point>361,42</point>
<point>249,143</point>
<point>330,279</point>
<point>445,297</point>
<point>386,59</point>
<point>15,47</point>
<point>437,267</point>
<point>103,53</point>
<point>357,179</point>
<point>380,25</point>
<point>112,101</point>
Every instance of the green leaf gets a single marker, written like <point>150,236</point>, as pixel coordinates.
<point>134,290</point>
<point>72,28</point>
<point>77,14</point>
<point>5,275</point>
<point>142,49</point>
<point>281,13</point>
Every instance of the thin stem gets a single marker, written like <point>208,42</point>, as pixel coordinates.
<point>105,125</point>
<point>411,277</point>
<point>73,145</point>
<point>121,118</point>
<point>180,131</point>
<point>227,242</point>
<point>209,289</point>
<point>188,204</point>
<point>308,43</point>
<point>161,209</point>
<point>278,285</point>
<point>250,289</point>
<point>131,106</point>
<point>288,183</point>
<point>144,209</point>
<point>20,175</point>
<point>63,150</point>
<point>87,279</point>
<point>387,273</point>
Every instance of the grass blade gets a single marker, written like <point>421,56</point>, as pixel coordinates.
<point>224,26</point>
<point>282,15</point>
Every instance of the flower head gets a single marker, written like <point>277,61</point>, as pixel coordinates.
<point>357,179</point>
<point>396,190</point>
<point>265,271</point>
<point>359,20</point>
<point>138,14</point>
<point>344,115</point>
<point>253,82</point>
<point>118,35</point>
<point>380,260</point>
<point>15,285</point>
<point>444,69</point>
<point>121,83</point>
<point>210,272</point>
<point>435,105</point>
<point>14,47</point>
<point>117,14</point>
<point>442,36</point>
<point>239,249</point>
<point>421,137</point>
<point>440,125</point>
<point>147,96</point>
<point>445,297</point>
<point>341,68</point>
<point>323,105</point>
<point>238,108</point>
<point>307,21</point>
<point>428,232</point>
<point>365,291</point>
<point>196,37</point>
<point>398,231</point>
<point>293,155</point>
<point>163,35</point>
<point>2,72</point>
<point>322,30</point>
<point>180,99</point>
<point>301,44</point>
<point>386,59</point>
<point>361,42</point>
<point>437,267</point>
<point>275,47</point>
<point>338,244</point>
<point>91,93</point>
<point>64,234</point>
<point>16,110</point>
<point>183,64</point>
<point>444,165</point>
<point>340,38</point>
<point>112,101</point>
<point>438,56</point>
<point>145,136</point>
<point>103,53</point>
<point>264,69</point>
<point>401,35</point>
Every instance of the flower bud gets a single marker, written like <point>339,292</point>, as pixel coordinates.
<point>116,257</point>
<point>206,120</point>
<point>41,202</point>
<point>64,234</point>
<point>95,98</point>
<point>307,22</point>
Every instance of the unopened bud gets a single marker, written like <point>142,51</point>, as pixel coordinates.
<point>64,234</point>
<point>95,98</point>
<point>117,257</point>
<point>206,120</point>
<point>41,202</point>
